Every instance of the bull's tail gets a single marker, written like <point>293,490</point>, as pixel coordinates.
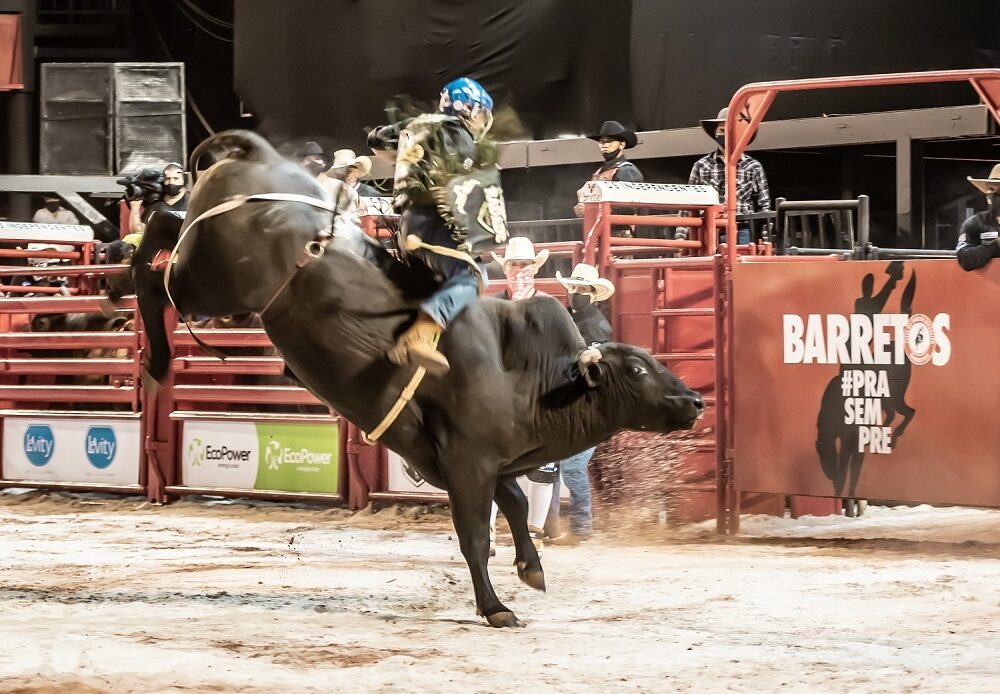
<point>237,144</point>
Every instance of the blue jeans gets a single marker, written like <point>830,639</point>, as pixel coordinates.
<point>742,236</point>
<point>461,285</point>
<point>577,477</point>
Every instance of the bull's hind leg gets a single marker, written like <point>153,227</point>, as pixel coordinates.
<point>470,494</point>
<point>511,501</point>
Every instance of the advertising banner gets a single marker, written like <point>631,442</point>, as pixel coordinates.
<point>404,479</point>
<point>261,455</point>
<point>97,451</point>
<point>871,379</point>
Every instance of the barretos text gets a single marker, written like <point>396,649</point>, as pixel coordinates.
<point>858,339</point>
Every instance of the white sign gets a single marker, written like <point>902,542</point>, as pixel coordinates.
<point>219,454</point>
<point>99,451</point>
<point>404,479</point>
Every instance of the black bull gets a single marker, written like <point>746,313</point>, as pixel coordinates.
<point>518,394</point>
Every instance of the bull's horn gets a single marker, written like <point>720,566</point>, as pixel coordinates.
<point>590,356</point>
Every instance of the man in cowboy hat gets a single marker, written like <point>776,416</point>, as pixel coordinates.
<point>585,288</point>
<point>752,192</point>
<point>979,238</point>
<point>350,169</point>
<point>612,140</point>
<point>520,264</point>
<point>312,158</point>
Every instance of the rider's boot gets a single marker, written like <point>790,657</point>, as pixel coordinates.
<point>418,346</point>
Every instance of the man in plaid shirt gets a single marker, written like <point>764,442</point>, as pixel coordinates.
<point>752,193</point>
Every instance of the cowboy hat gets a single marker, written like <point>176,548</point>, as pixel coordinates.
<point>710,124</point>
<point>986,184</point>
<point>521,248</point>
<point>310,149</point>
<point>345,159</point>
<point>616,131</point>
<point>584,275</point>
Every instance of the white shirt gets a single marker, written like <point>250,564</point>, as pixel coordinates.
<point>60,216</point>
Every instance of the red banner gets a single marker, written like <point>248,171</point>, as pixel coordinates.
<point>877,380</point>
<point>10,53</point>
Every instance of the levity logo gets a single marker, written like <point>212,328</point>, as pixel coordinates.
<point>276,455</point>
<point>39,443</point>
<point>101,446</point>
<point>856,339</point>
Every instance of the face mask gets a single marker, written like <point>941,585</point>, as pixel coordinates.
<point>721,141</point>
<point>578,302</point>
<point>172,189</point>
<point>52,206</point>
<point>315,168</point>
<point>613,152</point>
<point>520,281</point>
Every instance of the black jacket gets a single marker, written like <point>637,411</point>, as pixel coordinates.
<point>974,251</point>
<point>592,325</point>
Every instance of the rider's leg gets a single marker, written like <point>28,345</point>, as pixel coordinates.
<point>417,344</point>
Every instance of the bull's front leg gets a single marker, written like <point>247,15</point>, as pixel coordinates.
<point>471,486</point>
<point>514,505</point>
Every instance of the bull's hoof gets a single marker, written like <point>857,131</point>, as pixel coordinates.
<point>504,620</point>
<point>533,577</point>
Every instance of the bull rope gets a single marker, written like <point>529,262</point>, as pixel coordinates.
<point>404,397</point>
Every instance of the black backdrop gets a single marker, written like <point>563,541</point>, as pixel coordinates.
<point>324,68</point>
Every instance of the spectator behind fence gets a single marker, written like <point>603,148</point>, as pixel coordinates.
<point>312,157</point>
<point>54,213</point>
<point>612,140</point>
<point>752,192</point>
<point>979,239</point>
<point>585,289</point>
<point>350,169</point>
<point>520,264</point>
<point>172,196</point>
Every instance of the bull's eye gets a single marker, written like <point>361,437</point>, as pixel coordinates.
<point>638,370</point>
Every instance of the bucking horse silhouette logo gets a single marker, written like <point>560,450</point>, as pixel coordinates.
<point>840,442</point>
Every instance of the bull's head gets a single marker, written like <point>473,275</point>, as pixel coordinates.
<point>644,394</point>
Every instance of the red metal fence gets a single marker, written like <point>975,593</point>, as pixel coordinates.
<point>216,428</point>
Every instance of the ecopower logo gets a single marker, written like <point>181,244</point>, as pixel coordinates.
<point>276,454</point>
<point>224,456</point>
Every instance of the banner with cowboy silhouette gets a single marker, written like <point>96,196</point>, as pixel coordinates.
<point>868,380</point>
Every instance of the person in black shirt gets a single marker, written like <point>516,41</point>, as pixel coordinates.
<point>174,199</point>
<point>979,239</point>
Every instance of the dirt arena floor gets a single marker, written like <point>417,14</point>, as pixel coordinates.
<point>114,596</point>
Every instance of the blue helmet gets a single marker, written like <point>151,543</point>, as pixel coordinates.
<point>467,99</point>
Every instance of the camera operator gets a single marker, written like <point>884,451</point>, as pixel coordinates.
<point>146,195</point>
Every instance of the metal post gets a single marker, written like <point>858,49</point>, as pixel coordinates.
<point>910,189</point>
<point>19,148</point>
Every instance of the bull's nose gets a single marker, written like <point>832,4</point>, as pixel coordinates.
<point>699,405</point>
